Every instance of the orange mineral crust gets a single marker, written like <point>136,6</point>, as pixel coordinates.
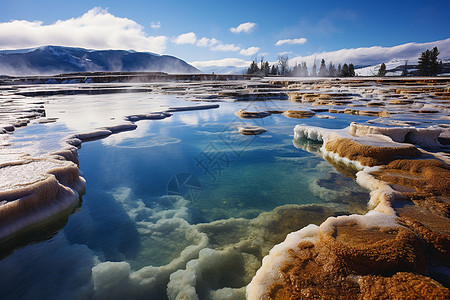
<point>353,262</point>
<point>370,155</point>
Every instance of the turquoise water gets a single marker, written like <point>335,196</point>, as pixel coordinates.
<point>156,193</point>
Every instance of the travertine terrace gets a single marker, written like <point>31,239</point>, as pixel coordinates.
<point>398,149</point>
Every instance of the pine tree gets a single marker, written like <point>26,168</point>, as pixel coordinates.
<point>274,70</point>
<point>428,62</point>
<point>339,71</point>
<point>345,71</point>
<point>351,70</point>
<point>424,63</point>
<point>382,70</point>
<point>253,69</point>
<point>323,69</point>
<point>434,61</point>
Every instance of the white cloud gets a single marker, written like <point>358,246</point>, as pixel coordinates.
<point>205,42</point>
<point>377,54</point>
<point>96,29</point>
<point>226,62</point>
<point>244,27</point>
<point>211,43</point>
<point>226,47</point>
<point>249,51</point>
<point>185,38</point>
<point>298,41</point>
<point>285,53</point>
<point>155,25</point>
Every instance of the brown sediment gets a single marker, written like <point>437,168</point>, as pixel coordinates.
<point>428,176</point>
<point>437,243</point>
<point>370,155</point>
<point>309,279</point>
<point>429,211</point>
<point>251,115</point>
<point>363,251</point>
<point>333,101</point>
<point>442,95</point>
<point>401,286</point>
<point>352,262</point>
<point>307,97</point>
<point>370,113</point>
<point>401,101</point>
<point>425,111</point>
<point>296,96</point>
<point>298,114</point>
<point>429,180</point>
<point>336,111</point>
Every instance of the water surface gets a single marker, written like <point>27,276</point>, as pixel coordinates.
<point>183,182</point>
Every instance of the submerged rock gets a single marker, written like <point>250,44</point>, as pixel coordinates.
<point>251,115</point>
<point>298,114</point>
<point>251,130</point>
<point>149,116</point>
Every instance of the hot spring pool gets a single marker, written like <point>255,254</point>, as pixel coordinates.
<point>181,203</point>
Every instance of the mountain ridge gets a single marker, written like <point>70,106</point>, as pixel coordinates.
<point>53,60</point>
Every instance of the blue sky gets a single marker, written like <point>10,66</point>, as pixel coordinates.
<point>316,26</point>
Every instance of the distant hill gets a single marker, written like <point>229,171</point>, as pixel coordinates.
<point>51,60</point>
<point>395,68</point>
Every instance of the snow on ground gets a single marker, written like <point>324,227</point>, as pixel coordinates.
<point>373,70</point>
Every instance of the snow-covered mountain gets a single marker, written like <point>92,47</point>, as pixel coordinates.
<point>395,68</point>
<point>50,60</point>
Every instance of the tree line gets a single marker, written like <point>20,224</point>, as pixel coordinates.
<point>428,65</point>
<point>282,68</point>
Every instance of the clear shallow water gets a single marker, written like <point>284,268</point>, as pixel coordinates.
<point>130,211</point>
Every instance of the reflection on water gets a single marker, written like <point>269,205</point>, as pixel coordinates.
<point>243,184</point>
